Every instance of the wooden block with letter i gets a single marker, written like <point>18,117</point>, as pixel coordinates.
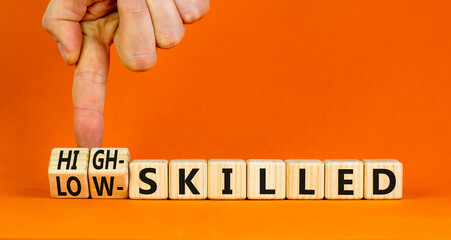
<point>68,173</point>
<point>383,179</point>
<point>226,179</point>
<point>108,172</point>
<point>344,179</point>
<point>305,179</point>
<point>148,179</point>
<point>188,179</point>
<point>265,179</point>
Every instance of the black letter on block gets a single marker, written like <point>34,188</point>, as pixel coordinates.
<point>58,186</point>
<point>111,159</point>
<point>61,159</point>
<point>391,185</point>
<point>69,189</point>
<point>227,172</point>
<point>263,189</point>
<point>94,162</point>
<point>152,183</point>
<point>187,181</point>
<point>103,182</point>
<point>302,190</point>
<point>342,182</point>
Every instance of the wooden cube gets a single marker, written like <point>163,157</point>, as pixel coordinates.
<point>344,179</point>
<point>68,173</point>
<point>383,179</point>
<point>148,179</point>
<point>265,179</point>
<point>305,179</point>
<point>226,179</point>
<point>108,172</point>
<point>188,179</point>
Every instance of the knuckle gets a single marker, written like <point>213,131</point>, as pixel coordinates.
<point>135,12</point>
<point>141,62</point>
<point>195,11</point>
<point>91,77</point>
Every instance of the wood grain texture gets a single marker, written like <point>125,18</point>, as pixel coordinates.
<point>108,172</point>
<point>312,179</point>
<point>73,169</point>
<point>235,169</point>
<point>155,170</point>
<point>274,179</point>
<point>198,169</point>
<point>352,190</point>
<point>394,166</point>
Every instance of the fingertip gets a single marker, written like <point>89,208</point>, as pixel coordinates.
<point>88,128</point>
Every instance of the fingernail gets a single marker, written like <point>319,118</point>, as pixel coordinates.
<point>63,51</point>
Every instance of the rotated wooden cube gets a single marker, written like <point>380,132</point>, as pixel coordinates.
<point>344,179</point>
<point>188,179</point>
<point>226,179</point>
<point>108,172</point>
<point>148,179</point>
<point>265,179</point>
<point>383,179</point>
<point>68,173</point>
<point>305,179</point>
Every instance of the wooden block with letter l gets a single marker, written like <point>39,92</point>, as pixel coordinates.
<point>265,179</point>
<point>148,179</point>
<point>188,179</point>
<point>383,179</point>
<point>68,173</point>
<point>344,179</point>
<point>305,179</point>
<point>108,172</point>
<point>226,179</point>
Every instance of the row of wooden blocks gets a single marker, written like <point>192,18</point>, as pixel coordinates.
<point>108,173</point>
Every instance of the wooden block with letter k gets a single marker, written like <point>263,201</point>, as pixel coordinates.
<point>108,172</point>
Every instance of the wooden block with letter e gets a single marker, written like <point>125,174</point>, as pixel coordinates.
<point>226,179</point>
<point>68,173</point>
<point>188,179</point>
<point>148,179</point>
<point>108,172</point>
<point>305,179</point>
<point>344,179</point>
<point>383,179</point>
<point>265,179</point>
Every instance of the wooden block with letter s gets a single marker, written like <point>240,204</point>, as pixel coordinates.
<point>226,179</point>
<point>383,179</point>
<point>148,179</point>
<point>108,172</point>
<point>188,179</point>
<point>343,179</point>
<point>68,173</point>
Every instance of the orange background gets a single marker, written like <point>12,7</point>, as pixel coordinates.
<point>254,79</point>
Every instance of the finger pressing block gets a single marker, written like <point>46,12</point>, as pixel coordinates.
<point>383,179</point>
<point>188,179</point>
<point>108,172</point>
<point>68,173</point>
<point>148,179</point>
<point>226,179</point>
<point>305,179</point>
<point>344,179</point>
<point>265,179</point>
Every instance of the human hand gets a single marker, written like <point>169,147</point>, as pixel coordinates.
<point>84,31</point>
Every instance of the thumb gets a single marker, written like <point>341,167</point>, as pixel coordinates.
<point>88,91</point>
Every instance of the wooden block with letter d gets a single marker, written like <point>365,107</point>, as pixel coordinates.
<point>148,179</point>
<point>265,179</point>
<point>68,173</point>
<point>226,179</point>
<point>383,179</point>
<point>344,179</point>
<point>188,179</point>
<point>305,179</point>
<point>108,172</point>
